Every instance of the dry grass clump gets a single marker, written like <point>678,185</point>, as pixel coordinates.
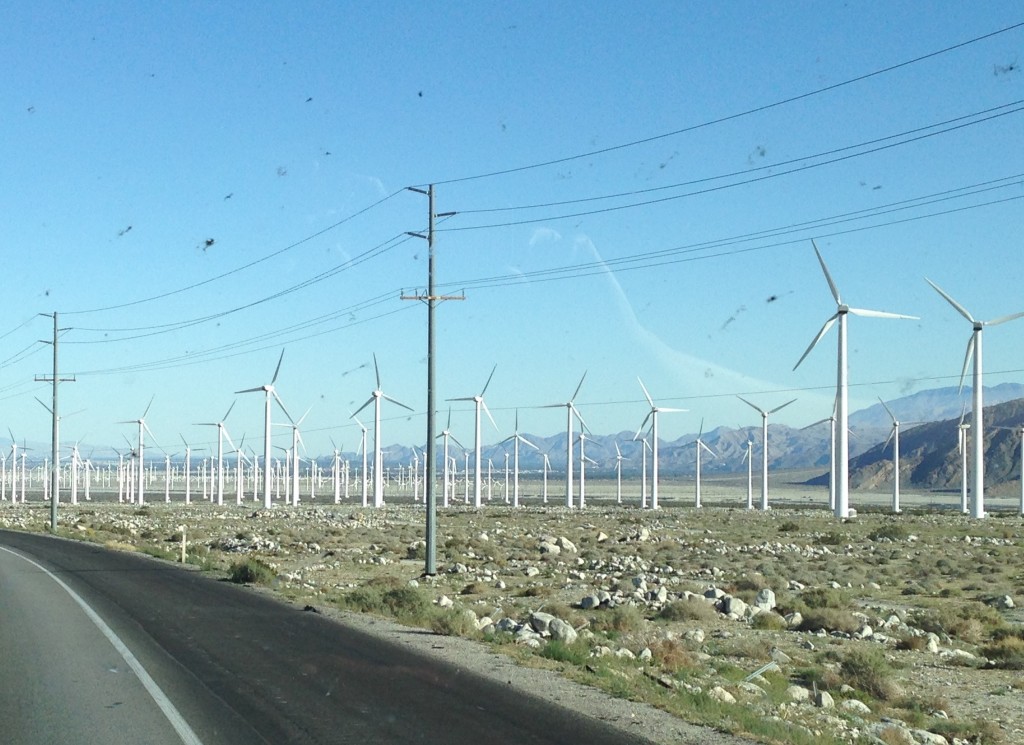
<point>622,619</point>
<point>691,609</point>
<point>769,621</point>
<point>389,596</point>
<point>671,655</point>
<point>251,572</point>
<point>866,669</point>
<point>970,622</point>
<point>1007,650</point>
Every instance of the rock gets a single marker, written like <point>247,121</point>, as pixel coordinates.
<point>794,619</point>
<point>624,654</point>
<point>552,549</point>
<point>602,537</point>
<point>562,631</point>
<point>798,694</point>
<point>531,571</point>
<point>925,737</point>
<point>507,625</point>
<point>932,643</point>
<point>713,593</point>
<point>445,602</point>
<point>541,622</point>
<point>590,602</point>
<point>752,689</point>
<point>824,700</point>
<point>865,632</point>
<point>780,657</point>
<point>646,655</point>
<point>733,605</point>
<point>695,635</point>
<point>855,706</point>
<point>565,544</point>
<point>1003,602</point>
<point>765,599</point>
<point>720,694</point>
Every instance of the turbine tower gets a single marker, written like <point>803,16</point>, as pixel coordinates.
<point>978,440</point>
<point>894,435</point>
<point>764,445</point>
<point>842,460</point>
<point>652,415</point>
<point>446,435</point>
<point>699,445</point>
<point>221,433</point>
<point>270,394</point>
<point>478,401</point>
<point>378,459</point>
<point>141,421</point>
<point>571,410</point>
<point>516,438</point>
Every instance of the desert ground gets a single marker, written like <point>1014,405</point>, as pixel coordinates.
<point>785,626</point>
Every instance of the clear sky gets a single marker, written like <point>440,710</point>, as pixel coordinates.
<point>196,186</point>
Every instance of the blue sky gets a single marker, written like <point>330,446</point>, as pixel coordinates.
<point>187,184</point>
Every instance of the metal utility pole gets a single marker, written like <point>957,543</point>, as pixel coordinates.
<point>55,437</point>
<point>430,299</point>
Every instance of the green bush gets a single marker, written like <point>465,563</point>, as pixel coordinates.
<point>769,621</point>
<point>692,609</point>
<point>867,670</point>
<point>251,572</point>
<point>577,653</point>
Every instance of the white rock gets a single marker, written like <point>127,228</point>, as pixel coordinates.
<point>445,602</point>
<point>541,622</point>
<point>925,737</point>
<point>589,602</point>
<point>565,544</point>
<point>824,700</point>
<point>562,631</point>
<point>531,571</point>
<point>720,694</point>
<point>765,599</point>
<point>855,706</point>
<point>798,694</point>
<point>646,655</point>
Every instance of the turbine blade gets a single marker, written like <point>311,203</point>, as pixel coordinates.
<point>527,442</point>
<point>756,408</point>
<point>824,330</point>
<point>303,416</point>
<point>617,451</point>
<point>376,370</point>
<point>385,396</point>
<point>456,441</point>
<point>646,394</point>
<point>250,390</point>
<point>891,433</point>
<point>278,368</point>
<point>701,430</point>
<point>576,392</point>
<point>488,413</point>
<point>642,425</point>
<point>281,404</point>
<point>782,407</point>
<point>888,410</point>
<point>1003,319</point>
<point>880,314</point>
<point>449,425</point>
<point>707,449</point>
<point>147,407</point>
<point>368,402</point>
<point>580,417</point>
<point>828,277</point>
<point>467,398</point>
<point>223,418</point>
<point>967,361</point>
<point>488,380</point>
<point>960,309</point>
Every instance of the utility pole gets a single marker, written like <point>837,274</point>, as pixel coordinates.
<point>55,438</point>
<point>431,300</point>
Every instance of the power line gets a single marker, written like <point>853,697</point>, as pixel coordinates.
<point>722,187</point>
<point>236,270</point>
<point>732,117</point>
<point>706,179</point>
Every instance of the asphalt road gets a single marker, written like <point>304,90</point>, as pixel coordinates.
<point>233,665</point>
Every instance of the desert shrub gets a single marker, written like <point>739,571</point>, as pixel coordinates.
<point>567,614</point>
<point>451,622</point>
<point>824,597</point>
<point>769,621</point>
<point>622,619</point>
<point>387,596</point>
<point>890,531</point>
<point>867,670</point>
<point>474,588</point>
<point>976,731</point>
<point>822,677</point>
<point>672,656</point>
<point>577,653</point>
<point>692,609</point>
<point>829,619</point>
<point>789,527</point>
<point>830,539</point>
<point>1006,652</point>
<point>969,622</point>
<point>251,572</point>
<point>912,643</point>
<point>750,583</point>
<point>536,591</point>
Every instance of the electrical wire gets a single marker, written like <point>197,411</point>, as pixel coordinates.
<point>722,187</point>
<point>732,117</point>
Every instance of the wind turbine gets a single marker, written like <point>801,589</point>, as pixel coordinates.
<point>336,473</point>
<point>748,456</point>
<point>894,435</point>
<point>378,460</point>
<point>143,428</point>
<point>268,389</point>
<point>652,415</point>
<point>977,413</point>
<point>961,447</point>
<point>516,438</point>
<point>479,404</point>
<point>699,445</point>
<point>571,410</point>
<point>831,455</point>
<point>618,473</point>
<point>842,459</point>
<point>294,452</point>
<point>362,447</point>
<point>764,445</point>
<point>221,433</point>
<point>188,468</point>
<point>447,435</point>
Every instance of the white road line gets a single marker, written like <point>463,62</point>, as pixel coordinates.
<point>159,697</point>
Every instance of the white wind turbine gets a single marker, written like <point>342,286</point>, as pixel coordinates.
<point>336,473</point>
<point>378,459</point>
<point>748,456</point>
<point>652,415</point>
<point>977,413</point>
<point>294,452</point>
<point>961,448</point>
<point>831,455</point>
<point>583,468</point>
<point>644,447</point>
<point>188,469</point>
<point>618,473</point>
<point>698,446</point>
<point>446,435</point>
<point>842,459</point>
<point>221,434</point>
<point>143,428</point>
<point>479,404</point>
<point>516,438</point>
<point>764,445</point>
<point>268,389</point>
<point>894,435</point>
<point>571,410</point>
<point>364,475</point>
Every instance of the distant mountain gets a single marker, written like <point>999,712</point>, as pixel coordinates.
<point>929,457</point>
<point>932,405</point>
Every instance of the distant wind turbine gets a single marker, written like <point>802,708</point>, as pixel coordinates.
<point>446,435</point>
<point>748,456</point>
<point>764,445</point>
<point>831,455</point>
<point>652,415</point>
<point>842,459</point>
<point>143,428</point>
<point>478,401</point>
<point>961,448</point>
<point>977,413</point>
<point>618,474</point>
<point>221,434</point>
<point>270,394</point>
<point>516,438</point>
<point>378,458</point>
<point>894,435</point>
<point>698,446</point>
<point>571,411</point>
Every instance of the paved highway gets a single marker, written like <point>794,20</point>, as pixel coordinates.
<point>107,647</point>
